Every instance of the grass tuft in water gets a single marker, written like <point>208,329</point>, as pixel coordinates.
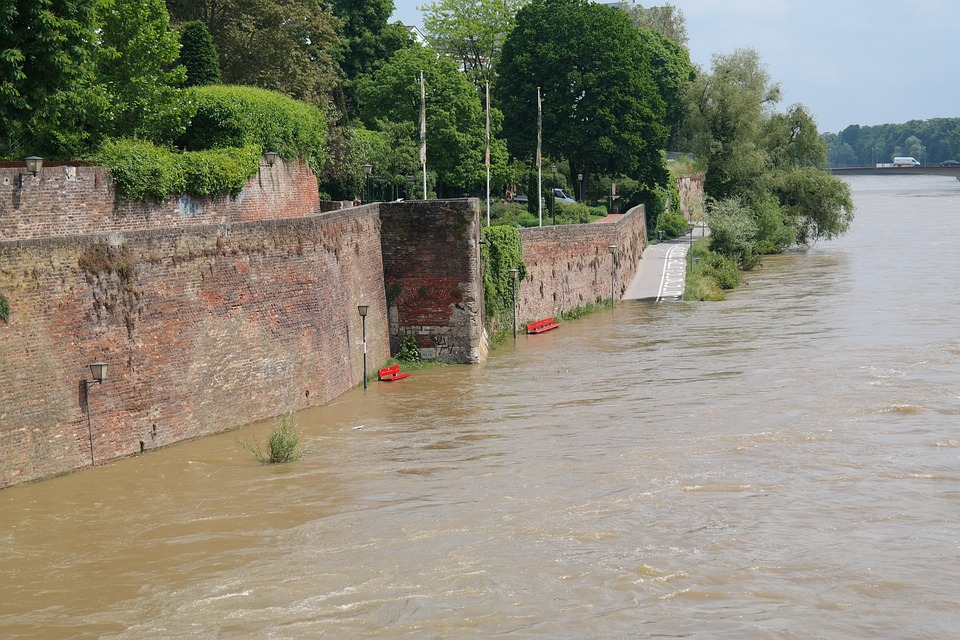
<point>282,445</point>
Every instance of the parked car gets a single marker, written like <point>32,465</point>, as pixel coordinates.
<point>560,196</point>
<point>950,163</point>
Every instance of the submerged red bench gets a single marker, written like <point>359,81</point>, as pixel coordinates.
<point>391,373</point>
<point>542,325</point>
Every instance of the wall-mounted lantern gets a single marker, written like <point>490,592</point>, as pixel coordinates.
<point>34,166</point>
<point>270,157</point>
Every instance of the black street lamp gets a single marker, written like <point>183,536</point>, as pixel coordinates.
<point>580,186</point>
<point>99,372</point>
<point>613,271</point>
<point>367,170</point>
<point>362,309</point>
<point>513,274</point>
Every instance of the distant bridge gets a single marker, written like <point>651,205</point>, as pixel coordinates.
<point>897,171</point>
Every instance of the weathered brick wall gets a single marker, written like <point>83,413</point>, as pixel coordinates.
<point>205,328</point>
<point>568,266</point>
<point>66,201</point>
<point>431,260</point>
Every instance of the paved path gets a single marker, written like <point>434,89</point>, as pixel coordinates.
<point>661,273</point>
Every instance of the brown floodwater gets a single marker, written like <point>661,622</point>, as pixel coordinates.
<point>785,464</point>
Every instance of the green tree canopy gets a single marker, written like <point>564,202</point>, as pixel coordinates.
<point>368,39</point>
<point>46,73</point>
<point>198,55</point>
<point>602,110</point>
<point>471,32</point>
<point>281,45</point>
<point>762,162</point>
<point>455,120</point>
<point>136,63</point>
<point>667,20</point>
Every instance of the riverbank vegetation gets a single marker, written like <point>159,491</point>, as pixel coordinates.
<point>765,186</point>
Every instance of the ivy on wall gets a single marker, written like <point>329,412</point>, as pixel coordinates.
<point>4,308</point>
<point>502,251</point>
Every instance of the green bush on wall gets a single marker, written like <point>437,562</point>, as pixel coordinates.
<point>502,251</point>
<point>142,170</point>
<point>233,116</point>
<point>4,308</point>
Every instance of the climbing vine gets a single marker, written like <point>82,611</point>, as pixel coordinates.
<point>4,308</point>
<point>502,251</point>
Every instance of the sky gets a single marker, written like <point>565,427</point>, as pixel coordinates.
<point>863,62</point>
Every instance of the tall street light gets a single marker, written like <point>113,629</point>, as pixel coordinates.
<point>613,273</point>
<point>99,372</point>
<point>580,186</point>
<point>513,274</point>
<point>362,309</point>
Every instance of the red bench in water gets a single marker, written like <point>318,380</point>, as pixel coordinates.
<point>391,373</point>
<point>542,325</point>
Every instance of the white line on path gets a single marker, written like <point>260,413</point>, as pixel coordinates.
<point>666,267</point>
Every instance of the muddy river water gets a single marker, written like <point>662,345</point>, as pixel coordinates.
<point>785,464</point>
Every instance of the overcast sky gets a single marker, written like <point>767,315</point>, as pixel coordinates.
<point>848,61</point>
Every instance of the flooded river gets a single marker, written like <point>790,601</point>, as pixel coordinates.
<point>785,464</point>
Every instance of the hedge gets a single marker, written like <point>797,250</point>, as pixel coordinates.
<point>235,116</point>
<point>142,170</point>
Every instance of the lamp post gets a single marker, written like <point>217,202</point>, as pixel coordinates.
<point>362,309</point>
<point>613,271</point>
<point>99,372</point>
<point>367,170</point>
<point>553,200</point>
<point>513,274</point>
<point>580,186</point>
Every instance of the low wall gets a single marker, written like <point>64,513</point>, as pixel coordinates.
<point>569,266</point>
<point>205,328</point>
<point>67,200</point>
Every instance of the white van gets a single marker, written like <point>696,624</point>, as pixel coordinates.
<point>905,161</point>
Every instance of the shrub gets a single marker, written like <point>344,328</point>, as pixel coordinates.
<point>281,445</point>
<point>198,54</point>
<point>142,170</point>
<point>672,225</point>
<point>409,349</point>
<point>232,116</point>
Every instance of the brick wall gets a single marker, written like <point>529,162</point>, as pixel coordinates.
<point>431,260</point>
<point>569,266</point>
<point>691,196</point>
<point>205,328</point>
<point>66,201</point>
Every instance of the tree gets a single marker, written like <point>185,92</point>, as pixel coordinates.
<point>281,45</point>
<point>727,112</point>
<point>666,20</point>
<point>601,107</point>
<point>471,32</point>
<point>198,55</point>
<point>672,71</point>
<point>367,37</point>
<point>455,121</point>
<point>46,73</point>
<point>767,162</point>
<point>136,63</point>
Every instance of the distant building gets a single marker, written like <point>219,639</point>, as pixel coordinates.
<point>418,36</point>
